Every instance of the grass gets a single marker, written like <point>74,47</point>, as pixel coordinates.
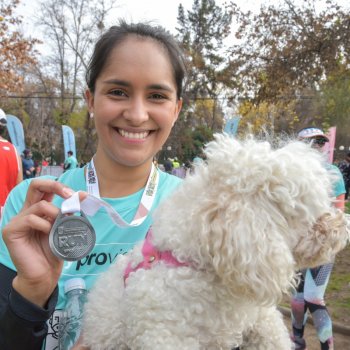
<point>338,282</point>
<point>347,207</point>
<point>338,290</point>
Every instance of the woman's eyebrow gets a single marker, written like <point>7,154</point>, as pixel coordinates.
<point>160,87</point>
<point>117,82</point>
<point>125,83</point>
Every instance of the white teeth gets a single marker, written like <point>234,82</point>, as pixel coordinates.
<point>133,135</point>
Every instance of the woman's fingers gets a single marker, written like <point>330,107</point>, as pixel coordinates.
<point>40,189</point>
<point>39,217</point>
<point>42,208</point>
<point>82,195</point>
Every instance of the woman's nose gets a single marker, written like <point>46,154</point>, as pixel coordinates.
<point>136,111</point>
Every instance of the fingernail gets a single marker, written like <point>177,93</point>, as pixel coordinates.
<point>68,192</point>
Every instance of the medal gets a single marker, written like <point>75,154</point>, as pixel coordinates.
<point>72,237</point>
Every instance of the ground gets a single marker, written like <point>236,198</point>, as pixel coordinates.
<point>338,303</point>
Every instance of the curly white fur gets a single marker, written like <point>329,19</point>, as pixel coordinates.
<point>244,221</point>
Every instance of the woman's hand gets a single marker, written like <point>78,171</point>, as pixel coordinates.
<point>27,239</point>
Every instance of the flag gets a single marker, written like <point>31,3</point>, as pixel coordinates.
<point>15,130</point>
<point>329,146</point>
<point>231,126</point>
<point>68,141</point>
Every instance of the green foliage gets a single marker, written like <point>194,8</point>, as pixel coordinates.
<point>288,68</point>
<point>347,207</point>
<point>289,47</point>
<point>191,143</point>
<point>334,101</point>
<point>16,51</point>
<point>76,119</point>
<point>337,282</point>
<point>199,137</point>
<point>202,31</point>
<point>296,52</point>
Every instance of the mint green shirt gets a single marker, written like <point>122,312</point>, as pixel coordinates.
<point>70,163</point>
<point>111,240</point>
<point>338,184</point>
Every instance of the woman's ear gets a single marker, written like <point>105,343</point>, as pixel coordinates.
<point>177,109</point>
<point>89,98</point>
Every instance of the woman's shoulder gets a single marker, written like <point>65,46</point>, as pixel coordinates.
<point>168,183</point>
<point>169,179</point>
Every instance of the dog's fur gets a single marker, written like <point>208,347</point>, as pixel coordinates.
<point>245,221</point>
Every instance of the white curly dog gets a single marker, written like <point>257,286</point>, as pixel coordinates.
<point>224,248</point>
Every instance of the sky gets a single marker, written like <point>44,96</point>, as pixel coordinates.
<point>162,12</point>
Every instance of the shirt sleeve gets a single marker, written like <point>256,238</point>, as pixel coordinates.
<point>338,185</point>
<point>22,323</point>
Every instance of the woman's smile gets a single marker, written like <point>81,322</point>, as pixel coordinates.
<point>139,135</point>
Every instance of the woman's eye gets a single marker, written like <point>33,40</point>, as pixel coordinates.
<point>117,92</point>
<point>158,96</point>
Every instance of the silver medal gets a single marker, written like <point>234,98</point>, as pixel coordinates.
<point>72,237</point>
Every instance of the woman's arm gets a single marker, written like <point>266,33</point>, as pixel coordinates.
<point>340,202</point>
<point>22,323</point>
<point>28,290</point>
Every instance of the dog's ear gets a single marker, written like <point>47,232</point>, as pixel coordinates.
<point>319,245</point>
<point>249,253</point>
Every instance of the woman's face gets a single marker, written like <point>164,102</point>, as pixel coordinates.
<point>135,103</point>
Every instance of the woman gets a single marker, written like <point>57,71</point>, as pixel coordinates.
<point>313,284</point>
<point>135,100</point>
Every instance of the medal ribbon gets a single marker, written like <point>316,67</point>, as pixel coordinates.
<point>92,203</point>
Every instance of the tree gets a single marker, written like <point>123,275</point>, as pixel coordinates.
<point>202,32</point>
<point>334,97</point>
<point>267,117</point>
<point>54,95</point>
<point>285,49</point>
<point>286,53</point>
<point>70,33</point>
<point>333,102</point>
<point>16,52</point>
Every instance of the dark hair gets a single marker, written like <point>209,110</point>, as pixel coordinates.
<point>70,152</point>
<point>116,34</point>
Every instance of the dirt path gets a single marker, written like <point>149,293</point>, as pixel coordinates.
<point>338,304</point>
<point>341,342</point>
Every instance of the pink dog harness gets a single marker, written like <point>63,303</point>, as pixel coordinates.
<point>151,256</point>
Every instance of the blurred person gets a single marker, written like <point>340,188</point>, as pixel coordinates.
<point>45,163</point>
<point>37,168</point>
<point>71,162</point>
<point>176,163</point>
<point>28,164</point>
<point>168,165</point>
<point>312,287</point>
<point>197,160</point>
<point>10,163</point>
<point>344,167</point>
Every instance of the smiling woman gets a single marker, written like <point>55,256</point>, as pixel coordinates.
<point>135,104</point>
<point>134,100</point>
